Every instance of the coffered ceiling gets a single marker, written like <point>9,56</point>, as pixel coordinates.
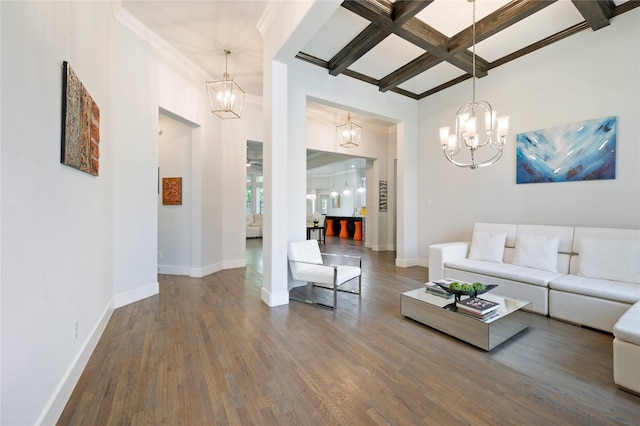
<point>415,48</point>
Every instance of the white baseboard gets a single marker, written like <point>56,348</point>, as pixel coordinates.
<point>406,263</point>
<point>235,263</point>
<point>276,299</point>
<point>205,270</point>
<point>61,395</point>
<point>216,267</point>
<point>173,270</point>
<point>120,300</point>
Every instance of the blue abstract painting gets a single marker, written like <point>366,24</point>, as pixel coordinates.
<point>580,151</point>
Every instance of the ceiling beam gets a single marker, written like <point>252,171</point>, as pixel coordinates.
<point>361,44</point>
<point>385,18</point>
<point>596,13</point>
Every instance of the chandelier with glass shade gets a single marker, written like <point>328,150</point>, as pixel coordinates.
<point>226,98</point>
<point>349,133</point>
<point>476,126</point>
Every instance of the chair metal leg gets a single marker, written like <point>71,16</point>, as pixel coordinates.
<point>335,287</point>
<point>309,300</point>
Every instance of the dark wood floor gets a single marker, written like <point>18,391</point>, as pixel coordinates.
<point>209,352</point>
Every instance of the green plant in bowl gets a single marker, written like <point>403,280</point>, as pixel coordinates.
<point>467,287</point>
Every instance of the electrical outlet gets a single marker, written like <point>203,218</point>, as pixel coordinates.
<point>76,329</point>
<point>159,254</point>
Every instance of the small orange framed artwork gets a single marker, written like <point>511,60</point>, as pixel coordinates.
<point>172,191</point>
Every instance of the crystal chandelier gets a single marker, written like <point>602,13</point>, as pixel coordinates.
<point>349,133</point>
<point>225,96</point>
<point>467,122</point>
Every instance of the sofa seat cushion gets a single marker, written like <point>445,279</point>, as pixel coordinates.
<point>628,326</point>
<point>507,271</point>
<point>594,287</point>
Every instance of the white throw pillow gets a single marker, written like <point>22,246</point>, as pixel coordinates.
<point>537,251</point>
<point>617,260</point>
<point>487,246</point>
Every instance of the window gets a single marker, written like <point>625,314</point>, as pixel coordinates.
<point>254,198</point>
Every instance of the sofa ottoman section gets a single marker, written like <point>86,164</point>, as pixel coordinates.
<point>626,350</point>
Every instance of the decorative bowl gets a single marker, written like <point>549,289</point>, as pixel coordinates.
<point>444,284</point>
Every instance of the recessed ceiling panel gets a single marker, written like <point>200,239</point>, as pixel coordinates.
<point>337,32</point>
<point>452,16</point>
<point>436,76</point>
<point>389,55</point>
<point>550,20</point>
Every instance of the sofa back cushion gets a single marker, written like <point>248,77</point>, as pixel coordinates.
<point>607,253</point>
<point>540,244</point>
<point>536,251</point>
<point>487,246</point>
<point>499,228</point>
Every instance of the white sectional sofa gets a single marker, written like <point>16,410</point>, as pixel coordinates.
<point>586,276</point>
<point>254,226</point>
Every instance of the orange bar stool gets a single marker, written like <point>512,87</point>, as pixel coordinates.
<point>358,234</point>
<point>343,229</point>
<point>329,230</point>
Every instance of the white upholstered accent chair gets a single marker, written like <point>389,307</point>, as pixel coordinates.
<point>318,269</point>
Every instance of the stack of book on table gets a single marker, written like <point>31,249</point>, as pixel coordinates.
<point>436,290</point>
<point>476,307</point>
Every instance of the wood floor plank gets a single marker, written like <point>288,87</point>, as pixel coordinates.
<point>207,351</point>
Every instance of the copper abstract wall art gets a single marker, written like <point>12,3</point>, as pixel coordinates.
<point>172,191</point>
<point>80,125</point>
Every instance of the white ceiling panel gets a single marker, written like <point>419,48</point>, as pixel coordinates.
<point>452,16</point>
<point>337,32</point>
<point>436,76</point>
<point>550,20</point>
<point>389,55</point>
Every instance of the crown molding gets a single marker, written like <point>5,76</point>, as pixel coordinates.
<point>166,50</point>
<point>268,15</point>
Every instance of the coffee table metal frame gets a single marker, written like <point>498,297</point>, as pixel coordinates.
<point>431,310</point>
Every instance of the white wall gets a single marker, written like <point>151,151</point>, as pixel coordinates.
<point>586,76</point>
<point>134,99</point>
<point>174,221</point>
<point>236,133</point>
<point>76,246</point>
<point>57,222</point>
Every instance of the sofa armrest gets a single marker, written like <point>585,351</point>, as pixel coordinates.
<point>441,253</point>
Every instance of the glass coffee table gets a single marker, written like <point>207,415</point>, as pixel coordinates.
<point>440,313</point>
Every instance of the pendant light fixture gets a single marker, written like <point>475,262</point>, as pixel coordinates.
<point>468,118</point>
<point>334,193</point>
<point>311,195</point>
<point>349,133</point>
<point>225,96</point>
<point>347,191</point>
<point>361,188</point>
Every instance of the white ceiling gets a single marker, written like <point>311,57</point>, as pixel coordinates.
<point>203,29</point>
